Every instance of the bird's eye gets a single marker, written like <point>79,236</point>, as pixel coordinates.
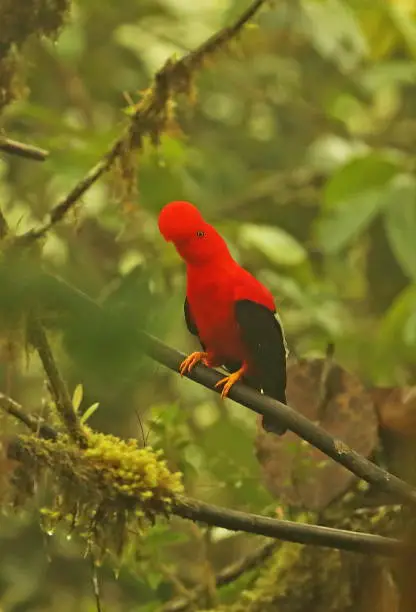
<point>200,234</point>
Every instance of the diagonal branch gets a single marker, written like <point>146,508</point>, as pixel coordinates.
<point>293,420</point>
<point>150,116</point>
<point>250,561</point>
<point>226,576</point>
<point>36,425</point>
<point>396,488</point>
<point>58,388</point>
<point>22,150</point>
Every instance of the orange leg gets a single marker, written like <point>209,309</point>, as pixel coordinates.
<point>191,361</point>
<point>230,380</point>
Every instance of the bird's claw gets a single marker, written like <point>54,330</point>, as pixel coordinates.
<point>228,381</point>
<point>190,362</point>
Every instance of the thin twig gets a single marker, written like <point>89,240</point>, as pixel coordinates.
<point>22,150</point>
<point>16,410</point>
<point>66,204</point>
<point>170,575</point>
<point>221,38</point>
<point>293,420</point>
<point>226,576</point>
<point>57,385</point>
<point>324,383</point>
<point>251,561</point>
<point>173,78</point>
<point>96,584</point>
<point>13,408</point>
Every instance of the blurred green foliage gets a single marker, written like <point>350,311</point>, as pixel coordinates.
<point>300,149</point>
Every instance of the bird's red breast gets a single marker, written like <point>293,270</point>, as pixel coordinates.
<point>215,281</point>
<point>212,294</point>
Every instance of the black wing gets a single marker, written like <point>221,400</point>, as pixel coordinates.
<point>190,323</point>
<point>263,336</point>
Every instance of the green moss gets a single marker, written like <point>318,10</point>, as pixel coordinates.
<point>300,577</point>
<point>104,492</point>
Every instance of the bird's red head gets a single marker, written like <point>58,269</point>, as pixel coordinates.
<point>196,241</point>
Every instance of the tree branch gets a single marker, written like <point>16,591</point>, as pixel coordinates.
<point>251,561</point>
<point>57,385</point>
<point>16,410</point>
<point>288,531</point>
<point>149,116</point>
<point>235,520</point>
<point>293,420</point>
<point>22,150</point>
<point>34,424</point>
<point>272,409</point>
<point>227,575</point>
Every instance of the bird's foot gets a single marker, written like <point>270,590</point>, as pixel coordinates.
<point>191,361</point>
<point>228,381</point>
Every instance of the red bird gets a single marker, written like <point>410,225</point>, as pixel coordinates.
<point>229,310</point>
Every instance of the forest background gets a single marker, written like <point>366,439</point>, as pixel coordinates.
<point>296,139</point>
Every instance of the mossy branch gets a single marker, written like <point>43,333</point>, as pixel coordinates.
<point>105,490</point>
<point>13,408</point>
<point>109,485</point>
<point>57,386</point>
<point>151,116</point>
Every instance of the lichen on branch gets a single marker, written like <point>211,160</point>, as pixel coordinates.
<point>151,116</point>
<point>104,491</point>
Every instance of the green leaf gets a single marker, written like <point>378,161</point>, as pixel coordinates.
<point>163,535</point>
<point>353,197</point>
<point>403,21</point>
<point>273,242</point>
<point>77,397</point>
<point>400,223</point>
<point>393,343</point>
<point>357,176</point>
<point>335,31</point>
<point>349,220</point>
<point>386,74</point>
<point>154,579</point>
<point>89,412</point>
<point>392,329</point>
<point>409,330</point>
